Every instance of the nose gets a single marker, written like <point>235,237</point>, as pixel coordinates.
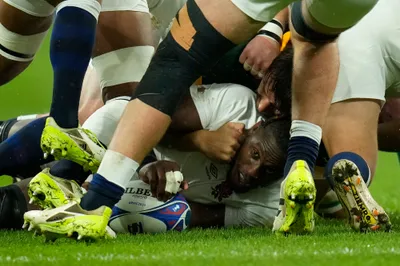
<point>252,170</point>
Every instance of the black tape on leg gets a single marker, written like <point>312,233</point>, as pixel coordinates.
<point>167,78</point>
<point>304,30</point>
<point>191,48</point>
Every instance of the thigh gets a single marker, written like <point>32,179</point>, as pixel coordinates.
<point>122,24</point>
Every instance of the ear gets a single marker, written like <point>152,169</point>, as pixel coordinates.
<point>255,127</point>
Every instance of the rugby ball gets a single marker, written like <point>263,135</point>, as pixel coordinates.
<point>138,212</point>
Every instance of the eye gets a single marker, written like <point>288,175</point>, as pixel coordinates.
<point>255,155</point>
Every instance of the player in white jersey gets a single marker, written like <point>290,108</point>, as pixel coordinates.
<point>202,31</point>
<point>259,161</point>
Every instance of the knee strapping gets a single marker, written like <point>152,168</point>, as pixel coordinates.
<point>22,48</point>
<point>124,5</point>
<point>37,8</point>
<point>123,65</point>
<point>188,51</point>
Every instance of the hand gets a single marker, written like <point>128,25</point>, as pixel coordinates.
<point>222,144</point>
<point>154,174</point>
<point>259,54</point>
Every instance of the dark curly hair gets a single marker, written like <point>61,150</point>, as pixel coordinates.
<point>279,77</point>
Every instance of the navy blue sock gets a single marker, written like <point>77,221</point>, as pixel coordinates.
<point>22,151</point>
<point>71,46</point>
<point>69,170</point>
<point>301,148</point>
<point>101,192</point>
<point>355,158</point>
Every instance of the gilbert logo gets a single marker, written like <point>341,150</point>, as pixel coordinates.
<point>138,191</point>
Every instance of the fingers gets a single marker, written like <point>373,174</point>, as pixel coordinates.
<point>184,185</point>
<point>247,66</point>
<point>160,192</point>
<point>152,181</point>
<point>237,126</point>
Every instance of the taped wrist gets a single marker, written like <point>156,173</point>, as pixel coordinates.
<point>189,50</point>
<point>272,30</point>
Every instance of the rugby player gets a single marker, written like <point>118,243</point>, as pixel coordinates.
<point>231,189</point>
<point>23,26</point>
<point>201,33</point>
<point>357,101</point>
<point>212,107</point>
<point>125,47</point>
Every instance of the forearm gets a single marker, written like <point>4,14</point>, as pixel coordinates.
<point>389,136</point>
<point>188,142</point>
<point>206,216</point>
<point>283,18</point>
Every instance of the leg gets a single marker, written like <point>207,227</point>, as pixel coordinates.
<point>353,160</point>
<point>186,50</point>
<point>71,46</point>
<point>23,26</point>
<point>314,27</point>
<point>22,151</point>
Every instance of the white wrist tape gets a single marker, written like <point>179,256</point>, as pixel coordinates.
<point>272,30</point>
<point>173,181</point>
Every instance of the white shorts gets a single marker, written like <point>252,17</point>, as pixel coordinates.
<point>125,5</point>
<point>370,56</point>
<point>261,10</point>
<point>164,11</point>
<point>104,121</point>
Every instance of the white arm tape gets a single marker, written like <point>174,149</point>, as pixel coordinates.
<point>173,181</point>
<point>25,45</point>
<point>36,8</point>
<point>123,65</point>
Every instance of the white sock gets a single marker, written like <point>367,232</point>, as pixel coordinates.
<point>302,128</point>
<point>117,168</point>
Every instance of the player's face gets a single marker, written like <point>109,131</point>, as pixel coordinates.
<point>253,162</point>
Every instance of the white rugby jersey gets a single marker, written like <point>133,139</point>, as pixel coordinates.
<point>218,104</point>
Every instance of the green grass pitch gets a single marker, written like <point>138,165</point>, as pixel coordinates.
<point>333,243</point>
